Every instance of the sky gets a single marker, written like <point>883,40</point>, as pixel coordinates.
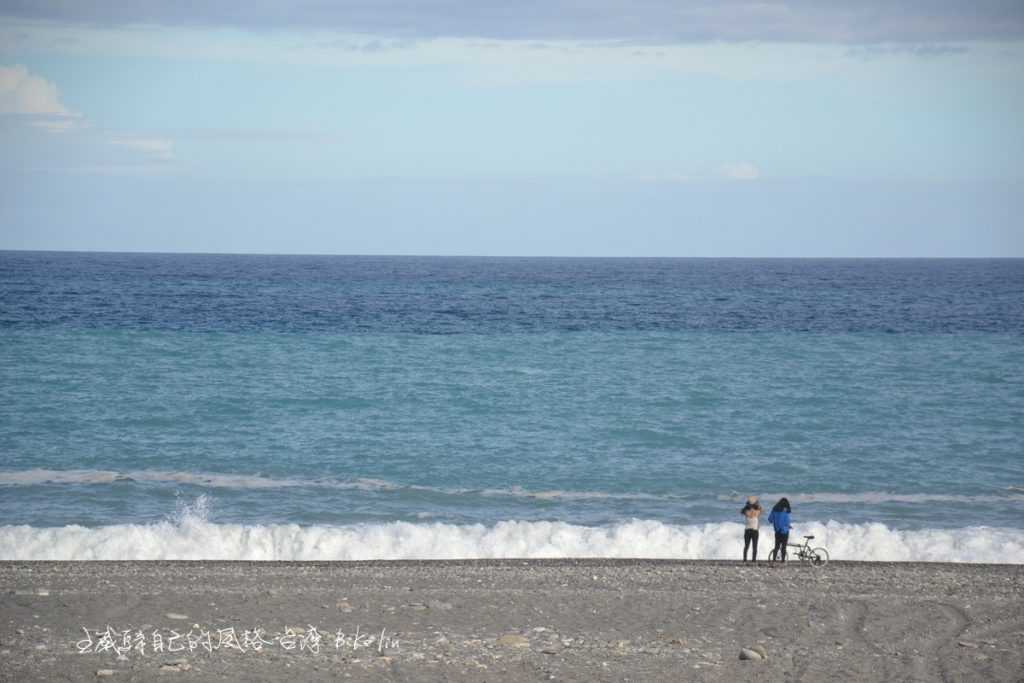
<point>529,128</point>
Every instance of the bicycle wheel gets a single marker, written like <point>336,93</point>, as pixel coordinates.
<point>771,555</point>
<point>819,557</point>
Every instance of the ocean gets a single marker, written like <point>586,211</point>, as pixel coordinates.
<point>161,406</point>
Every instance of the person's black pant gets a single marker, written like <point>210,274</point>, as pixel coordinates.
<point>750,536</point>
<point>780,546</point>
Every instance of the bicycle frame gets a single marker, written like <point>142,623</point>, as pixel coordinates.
<point>817,557</point>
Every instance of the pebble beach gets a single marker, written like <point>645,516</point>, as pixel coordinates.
<point>510,620</point>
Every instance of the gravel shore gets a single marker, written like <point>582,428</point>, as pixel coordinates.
<point>513,620</point>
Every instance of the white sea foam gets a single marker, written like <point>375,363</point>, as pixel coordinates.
<point>191,536</point>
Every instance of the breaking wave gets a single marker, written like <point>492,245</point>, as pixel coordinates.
<point>190,535</point>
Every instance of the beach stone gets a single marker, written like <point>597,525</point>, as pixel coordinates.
<point>512,640</point>
<point>967,643</point>
<point>103,673</point>
<point>439,604</point>
<point>752,655</point>
<point>176,616</point>
<point>761,650</point>
<point>344,605</point>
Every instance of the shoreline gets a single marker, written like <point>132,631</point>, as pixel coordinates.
<point>513,561</point>
<point>514,619</point>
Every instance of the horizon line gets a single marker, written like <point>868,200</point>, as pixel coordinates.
<point>499,256</point>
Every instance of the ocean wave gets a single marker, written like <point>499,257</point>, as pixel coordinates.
<point>191,536</point>
<point>875,497</point>
<point>212,480</point>
<point>256,481</point>
<point>40,476</point>
<point>558,494</point>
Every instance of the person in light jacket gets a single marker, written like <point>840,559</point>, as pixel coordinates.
<point>751,513</point>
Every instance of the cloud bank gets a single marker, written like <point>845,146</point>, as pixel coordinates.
<point>650,21</point>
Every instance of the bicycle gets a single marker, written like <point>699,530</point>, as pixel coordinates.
<point>817,557</point>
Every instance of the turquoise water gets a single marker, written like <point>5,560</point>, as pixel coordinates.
<point>187,398</point>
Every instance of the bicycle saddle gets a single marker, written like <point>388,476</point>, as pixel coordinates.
<point>808,537</point>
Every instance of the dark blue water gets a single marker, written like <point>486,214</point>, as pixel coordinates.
<point>432,295</point>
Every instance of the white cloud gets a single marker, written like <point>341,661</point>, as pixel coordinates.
<point>24,94</point>
<point>158,149</point>
<point>31,100</point>
<point>741,170</point>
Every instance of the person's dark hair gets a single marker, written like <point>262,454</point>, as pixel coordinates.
<point>782,505</point>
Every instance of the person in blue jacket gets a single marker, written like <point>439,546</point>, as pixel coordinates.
<point>779,519</point>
